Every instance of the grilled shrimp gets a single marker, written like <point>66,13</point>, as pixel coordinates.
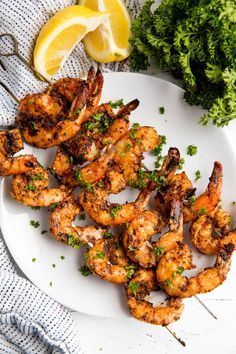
<point>66,172</point>
<point>130,149</point>
<point>103,127</point>
<point>61,218</point>
<point>11,143</point>
<point>137,237</point>
<point>210,233</point>
<point>209,200</point>
<point>100,210</point>
<point>31,189</point>
<point>107,260</point>
<point>141,285</point>
<point>175,262</point>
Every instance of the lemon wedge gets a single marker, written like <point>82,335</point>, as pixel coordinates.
<point>60,35</point>
<point>110,41</point>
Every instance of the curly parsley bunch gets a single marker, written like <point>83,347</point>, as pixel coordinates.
<point>196,41</point>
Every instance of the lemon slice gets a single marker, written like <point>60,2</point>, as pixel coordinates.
<point>60,35</point>
<point>110,41</point>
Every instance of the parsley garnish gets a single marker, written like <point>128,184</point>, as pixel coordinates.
<point>162,110</point>
<point>54,265</point>
<point>197,175</point>
<point>99,254</point>
<point>192,150</point>
<point>33,260</point>
<point>89,125</point>
<point>34,223</point>
<point>181,164</point>
<point>73,241</point>
<point>158,251</point>
<point>37,177</point>
<point>158,150</point>
<point>234,203</point>
<point>30,101</point>
<point>202,211</point>
<point>85,271</point>
<point>130,269</point>
<point>50,284</point>
<point>191,200</point>
<point>116,104</point>
<point>133,286</point>
<point>35,207</point>
<point>52,206</point>
<point>62,258</point>
<point>82,216</point>
<point>89,187</point>
<point>30,187</point>
<point>107,234</point>
<point>131,248</point>
<point>43,232</point>
<point>114,210</point>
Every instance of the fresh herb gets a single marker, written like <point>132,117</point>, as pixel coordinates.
<point>34,223</point>
<point>78,111</point>
<point>180,270</point>
<point>30,101</point>
<point>35,207</point>
<point>37,177</point>
<point>99,254</point>
<point>192,150</point>
<point>89,187</point>
<point>181,164</point>
<point>101,184</point>
<point>191,200</point>
<point>197,175</point>
<point>158,251</point>
<point>114,210</point>
<point>98,116</point>
<point>43,232</point>
<point>116,104</point>
<point>130,269</point>
<point>234,203</point>
<point>202,211</point>
<point>73,241</point>
<point>54,265</point>
<point>62,258</point>
<point>158,150</point>
<point>85,271</point>
<point>231,220</point>
<point>133,132</point>
<point>33,260</point>
<point>52,206</point>
<point>195,40</point>
<point>89,126</point>
<point>168,283</point>
<point>30,187</point>
<point>78,176</point>
<point>162,110</point>
<point>133,286</point>
<point>131,248</point>
<point>107,234</point>
<point>50,284</point>
<point>82,216</point>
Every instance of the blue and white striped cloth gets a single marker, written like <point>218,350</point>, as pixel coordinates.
<point>30,321</point>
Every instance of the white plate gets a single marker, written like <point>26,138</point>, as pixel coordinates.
<point>91,295</point>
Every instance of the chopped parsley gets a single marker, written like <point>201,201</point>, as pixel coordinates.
<point>82,216</point>
<point>30,187</point>
<point>33,260</point>
<point>114,210</point>
<point>181,164</point>
<point>73,241</point>
<point>168,283</point>
<point>117,103</point>
<point>85,271</point>
<point>50,284</point>
<point>191,200</point>
<point>192,150</point>
<point>158,251</point>
<point>107,234</point>
<point>98,116</point>
<point>162,110</point>
<point>197,175</point>
<point>99,254</point>
<point>234,203</point>
<point>90,125</point>
<point>158,150</point>
<point>34,223</point>
<point>133,286</point>
<point>62,258</point>
<point>43,232</point>
<point>133,133</point>
<point>52,206</point>
<point>35,207</point>
<point>101,184</point>
<point>78,176</point>
<point>78,111</point>
<point>54,265</point>
<point>202,211</point>
<point>131,248</point>
<point>89,187</point>
<point>130,269</point>
<point>37,177</point>
<point>30,101</point>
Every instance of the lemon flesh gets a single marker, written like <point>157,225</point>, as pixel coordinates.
<point>60,35</point>
<point>110,41</point>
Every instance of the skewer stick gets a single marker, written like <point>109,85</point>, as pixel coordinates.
<point>10,92</point>
<point>175,336</point>
<point>2,65</point>
<point>205,307</point>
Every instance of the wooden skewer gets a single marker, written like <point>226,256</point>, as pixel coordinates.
<point>10,92</point>
<point>175,336</point>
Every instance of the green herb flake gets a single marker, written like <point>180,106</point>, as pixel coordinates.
<point>37,177</point>
<point>131,248</point>
<point>54,265</point>
<point>114,210</point>
<point>30,101</point>
<point>85,271</point>
<point>130,269</point>
<point>180,270</point>
<point>158,251</point>
<point>117,103</point>
<point>52,206</point>
<point>78,111</point>
<point>168,283</point>
<point>43,232</point>
<point>107,234</point>
<point>30,187</point>
<point>233,203</point>
<point>192,150</point>
<point>162,110</point>
<point>73,241</point>
<point>35,207</point>
<point>89,187</point>
<point>202,211</point>
<point>62,258</point>
<point>181,164</point>
<point>133,286</point>
<point>191,200</point>
<point>82,216</point>
<point>99,255</point>
<point>33,260</point>
<point>89,126</point>
<point>197,175</point>
<point>34,223</point>
<point>50,284</point>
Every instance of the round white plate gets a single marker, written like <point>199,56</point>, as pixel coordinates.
<point>179,123</point>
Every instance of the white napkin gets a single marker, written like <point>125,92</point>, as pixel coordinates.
<point>24,19</point>
<point>30,321</point>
